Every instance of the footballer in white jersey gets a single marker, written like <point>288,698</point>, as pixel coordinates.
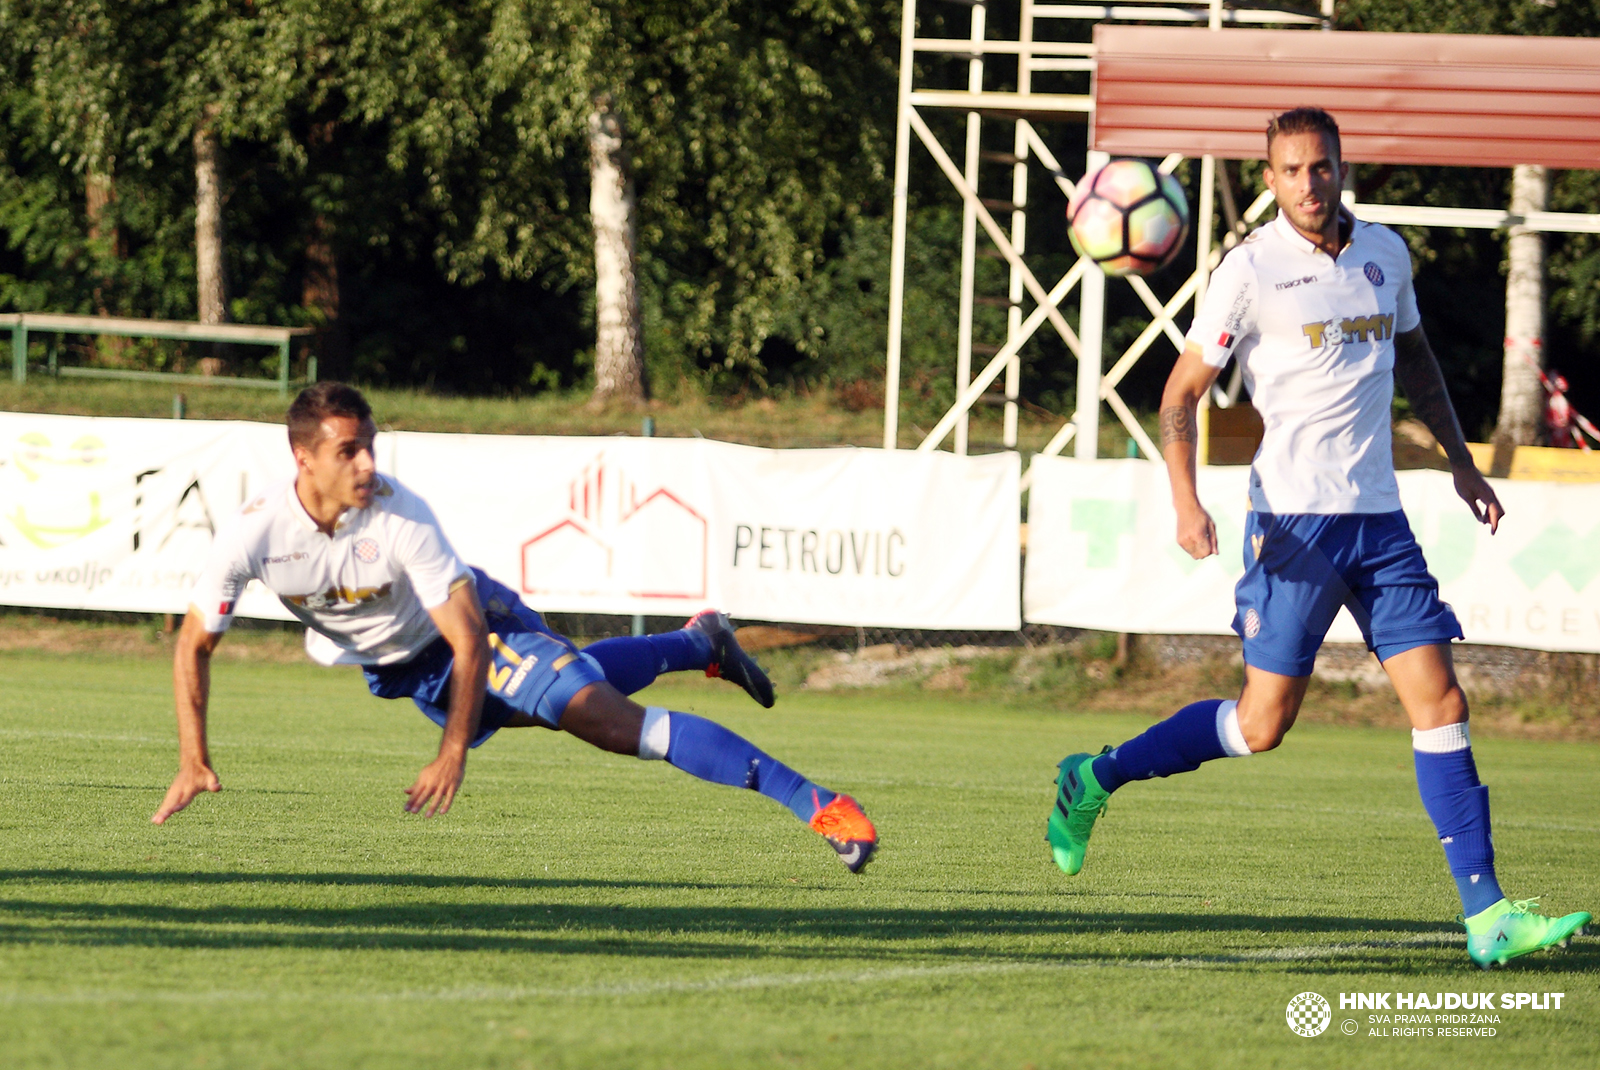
<point>364,563</point>
<point>1319,311</point>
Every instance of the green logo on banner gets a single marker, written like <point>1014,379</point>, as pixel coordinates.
<point>1559,549</point>
<point>1104,521</point>
<point>1451,552</point>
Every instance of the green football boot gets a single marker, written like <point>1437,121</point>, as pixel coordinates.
<point>1079,800</point>
<point>1509,929</point>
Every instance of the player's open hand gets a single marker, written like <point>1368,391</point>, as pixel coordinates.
<point>436,786</point>
<point>1197,533</point>
<point>1479,496</point>
<point>186,787</point>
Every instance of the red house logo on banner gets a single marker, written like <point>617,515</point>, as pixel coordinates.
<point>618,540</point>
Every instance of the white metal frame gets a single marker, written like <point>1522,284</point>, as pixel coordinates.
<point>1029,147</point>
<point>1086,342</point>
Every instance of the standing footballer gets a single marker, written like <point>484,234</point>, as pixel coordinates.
<point>362,562</point>
<point>1319,311</point>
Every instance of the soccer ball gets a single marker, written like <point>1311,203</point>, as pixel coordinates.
<point>1128,217</point>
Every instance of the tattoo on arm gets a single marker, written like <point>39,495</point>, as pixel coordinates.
<point>1177,425</point>
<point>1418,372</point>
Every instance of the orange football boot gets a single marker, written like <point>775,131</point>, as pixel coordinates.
<point>847,831</point>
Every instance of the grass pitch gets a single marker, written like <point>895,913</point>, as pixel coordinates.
<point>578,909</point>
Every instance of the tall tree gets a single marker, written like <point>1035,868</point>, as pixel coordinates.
<point>1521,394</point>
<point>619,349</point>
<point>211,301</point>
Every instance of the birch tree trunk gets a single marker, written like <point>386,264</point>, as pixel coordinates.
<point>212,296</point>
<point>618,351</point>
<point>1521,396</point>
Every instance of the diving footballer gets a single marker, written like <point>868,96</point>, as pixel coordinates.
<point>1319,311</point>
<point>362,561</point>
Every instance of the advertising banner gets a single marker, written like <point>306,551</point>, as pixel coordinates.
<point>1102,554</point>
<point>118,514</point>
<point>823,536</point>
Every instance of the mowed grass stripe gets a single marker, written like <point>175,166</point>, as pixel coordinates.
<point>579,909</point>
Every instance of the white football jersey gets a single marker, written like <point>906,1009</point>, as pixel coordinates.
<point>1315,338</point>
<point>364,592</point>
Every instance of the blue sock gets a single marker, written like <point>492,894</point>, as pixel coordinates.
<point>1177,745</point>
<point>1459,807</point>
<point>705,749</point>
<point>632,662</point>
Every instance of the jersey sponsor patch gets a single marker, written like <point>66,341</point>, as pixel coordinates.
<point>367,550</point>
<point>1373,272</point>
<point>1225,340</point>
<point>1378,327</point>
<point>225,609</point>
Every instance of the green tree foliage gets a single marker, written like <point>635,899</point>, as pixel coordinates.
<point>423,162</point>
<point>441,145</point>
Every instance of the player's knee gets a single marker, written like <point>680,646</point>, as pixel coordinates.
<point>1450,708</point>
<point>1262,737</point>
<point>1264,725</point>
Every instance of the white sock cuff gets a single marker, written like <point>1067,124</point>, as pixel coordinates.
<point>1228,733</point>
<point>1443,740</point>
<point>656,734</point>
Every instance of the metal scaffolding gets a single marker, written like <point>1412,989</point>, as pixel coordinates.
<point>1031,109</point>
<point>1028,107</point>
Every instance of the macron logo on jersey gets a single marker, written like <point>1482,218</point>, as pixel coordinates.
<point>1377,328</point>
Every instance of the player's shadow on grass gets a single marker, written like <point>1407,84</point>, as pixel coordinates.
<point>539,925</point>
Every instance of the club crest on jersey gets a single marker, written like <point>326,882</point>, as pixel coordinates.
<point>1377,327</point>
<point>367,550</point>
<point>1252,624</point>
<point>1373,272</point>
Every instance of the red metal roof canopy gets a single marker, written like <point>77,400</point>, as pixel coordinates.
<point>1406,98</point>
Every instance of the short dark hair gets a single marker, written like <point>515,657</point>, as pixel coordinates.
<point>318,402</point>
<point>1304,121</point>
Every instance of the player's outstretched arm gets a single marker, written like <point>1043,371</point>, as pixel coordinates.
<point>1191,377</point>
<point>460,621</point>
<point>1417,369</point>
<point>191,690</point>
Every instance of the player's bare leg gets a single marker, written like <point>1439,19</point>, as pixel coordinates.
<point>1200,732</point>
<point>1498,929</point>
<point>602,716</point>
<point>1268,706</point>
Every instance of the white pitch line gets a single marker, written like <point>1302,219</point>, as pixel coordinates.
<point>744,982</point>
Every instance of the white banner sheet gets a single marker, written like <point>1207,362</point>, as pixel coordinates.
<point>1102,554</point>
<point>118,514</point>
<point>628,525</point>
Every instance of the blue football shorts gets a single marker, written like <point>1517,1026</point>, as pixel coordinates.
<point>1300,568</point>
<point>531,669</point>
